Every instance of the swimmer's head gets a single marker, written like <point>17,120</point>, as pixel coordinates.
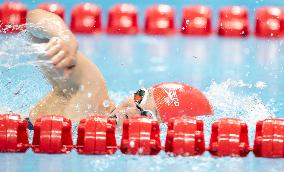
<point>173,99</point>
<point>164,101</point>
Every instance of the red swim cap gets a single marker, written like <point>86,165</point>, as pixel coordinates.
<point>175,99</point>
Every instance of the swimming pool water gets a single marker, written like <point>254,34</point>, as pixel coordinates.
<point>242,78</point>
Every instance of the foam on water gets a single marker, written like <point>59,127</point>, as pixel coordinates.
<point>21,83</point>
<point>18,75</point>
<point>228,100</point>
<point>19,50</point>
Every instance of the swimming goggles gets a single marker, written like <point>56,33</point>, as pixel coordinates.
<point>30,124</point>
<point>140,98</point>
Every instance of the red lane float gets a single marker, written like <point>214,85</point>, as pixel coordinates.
<point>141,135</point>
<point>52,134</point>
<point>185,137</point>
<point>160,20</point>
<point>269,138</point>
<point>229,137</point>
<point>122,19</point>
<point>269,22</point>
<point>233,21</point>
<point>96,135</point>
<point>196,20</point>
<point>53,8</point>
<point>12,17</point>
<point>86,18</point>
<point>13,133</point>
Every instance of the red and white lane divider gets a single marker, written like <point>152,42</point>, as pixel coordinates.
<point>159,20</point>
<point>86,19</point>
<point>53,8</point>
<point>233,21</point>
<point>196,20</point>
<point>122,19</point>
<point>269,22</point>
<point>185,137</point>
<point>96,135</point>
<point>13,133</point>
<point>229,137</point>
<point>12,17</point>
<point>141,136</point>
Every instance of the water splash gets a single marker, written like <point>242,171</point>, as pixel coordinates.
<point>231,99</point>
<point>19,78</point>
<point>19,50</point>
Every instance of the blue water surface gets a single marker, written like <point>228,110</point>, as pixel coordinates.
<point>242,77</point>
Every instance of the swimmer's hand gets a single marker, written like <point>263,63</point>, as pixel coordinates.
<point>62,54</point>
<point>125,110</point>
<point>62,46</point>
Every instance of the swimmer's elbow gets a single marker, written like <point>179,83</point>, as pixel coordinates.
<point>34,15</point>
<point>43,24</point>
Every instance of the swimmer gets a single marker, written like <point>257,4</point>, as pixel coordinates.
<point>81,89</point>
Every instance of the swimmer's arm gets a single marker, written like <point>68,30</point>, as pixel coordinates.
<point>44,25</point>
<point>61,49</point>
<point>84,77</point>
<point>62,46</point>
